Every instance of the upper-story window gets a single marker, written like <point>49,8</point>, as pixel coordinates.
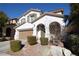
<point>18,23</point>
<point>23,21</point>
<point>31,17</point>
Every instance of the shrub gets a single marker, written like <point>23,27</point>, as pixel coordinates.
<point>72,43</point>
<point>15,45</point>
<point>44,41</point>
<point>32,40</point>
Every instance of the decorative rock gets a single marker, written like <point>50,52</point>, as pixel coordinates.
<point>59,51</point>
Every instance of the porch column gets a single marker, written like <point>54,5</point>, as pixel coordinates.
<point>34,31</point>
<point>47,32</point>
<point>16,36</point>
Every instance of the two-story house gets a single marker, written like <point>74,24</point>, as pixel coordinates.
<point>37,23</point>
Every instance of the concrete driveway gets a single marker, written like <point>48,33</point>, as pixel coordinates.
<point>4,47</point>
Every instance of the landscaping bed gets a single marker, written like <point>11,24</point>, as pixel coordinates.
<point>34,50</point>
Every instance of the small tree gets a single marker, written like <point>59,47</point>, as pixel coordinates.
<point>72,41</point>
<point>74,17</point>
<point>3,20</point>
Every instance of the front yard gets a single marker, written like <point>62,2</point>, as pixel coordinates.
<point>34,50</point>
<point>41,50</point>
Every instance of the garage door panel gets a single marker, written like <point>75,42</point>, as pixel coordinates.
<point>25,34</point>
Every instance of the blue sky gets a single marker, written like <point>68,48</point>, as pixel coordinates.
<point>14,10</point>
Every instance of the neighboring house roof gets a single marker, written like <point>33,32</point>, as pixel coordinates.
<point>50,14</point>
<point>18,25</point>
<point>37,10</point>
<point>25,26</point>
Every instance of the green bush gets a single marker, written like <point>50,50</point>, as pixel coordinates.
<point>15,45</point>
<point>44,41</point>
<point>32,40</point>
<point>72,43</point>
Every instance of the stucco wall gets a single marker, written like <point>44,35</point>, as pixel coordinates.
<point>46,20</point>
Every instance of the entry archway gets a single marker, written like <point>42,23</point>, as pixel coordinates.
<point>40,30</point>
<point>8,32</point>
<point>1,32</point>
<point>55,31</point>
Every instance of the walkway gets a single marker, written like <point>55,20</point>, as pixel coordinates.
<point>4,47</point>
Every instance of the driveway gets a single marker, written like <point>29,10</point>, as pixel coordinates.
<point>4,47</point>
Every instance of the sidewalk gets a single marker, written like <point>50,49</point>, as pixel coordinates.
<point>4,54</point>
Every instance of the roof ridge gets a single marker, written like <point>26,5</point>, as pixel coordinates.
<point>57,10</point>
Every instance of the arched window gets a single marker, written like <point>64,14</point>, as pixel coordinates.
<point>31,17</point>
<point>55,28</point>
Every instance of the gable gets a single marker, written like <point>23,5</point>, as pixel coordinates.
<point>49,14</point>
<point>48,19</point>
<point>29,11</point>
<point>33,12</point>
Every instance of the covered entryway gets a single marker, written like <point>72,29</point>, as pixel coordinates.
<point>24,34</point>
<point>55,31</point>
<point>40,31</point>
<point>1,32</point>
<point>8,32</point>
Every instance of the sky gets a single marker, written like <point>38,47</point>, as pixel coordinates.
<point>14,10</point>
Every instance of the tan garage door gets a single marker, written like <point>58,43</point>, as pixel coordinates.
<point>24,34</point>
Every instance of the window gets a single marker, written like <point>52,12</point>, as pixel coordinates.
<point>31,17</point>
<point>23,21</point>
